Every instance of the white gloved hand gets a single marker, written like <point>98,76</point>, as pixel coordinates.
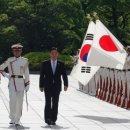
<point>6,75</point>
<point>27,88</point>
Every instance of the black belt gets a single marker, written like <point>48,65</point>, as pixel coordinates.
<point>16,76</point>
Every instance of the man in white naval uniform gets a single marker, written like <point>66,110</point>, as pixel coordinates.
<point>18,81</point>
<point>127,63</point>
<point>127,68</point>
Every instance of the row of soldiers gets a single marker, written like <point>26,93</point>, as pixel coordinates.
<point>113,86</point>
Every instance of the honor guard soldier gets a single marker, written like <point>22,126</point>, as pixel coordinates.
<point>127,63</point>
<point>18,82</point>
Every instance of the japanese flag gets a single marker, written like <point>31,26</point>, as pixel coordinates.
<point>106,50</point>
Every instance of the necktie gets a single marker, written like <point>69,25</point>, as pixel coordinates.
<point>53,67</point>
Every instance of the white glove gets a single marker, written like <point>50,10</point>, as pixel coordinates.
<point>27,88</point>
<point>6,75</point>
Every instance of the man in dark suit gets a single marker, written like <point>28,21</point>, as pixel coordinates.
<point>50,83</point>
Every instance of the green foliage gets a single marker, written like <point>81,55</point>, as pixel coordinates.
<point>41,24</point>
<point>115,14</point>
<point>9,30</point>
<point>3,18</point>
<point>36,58</point>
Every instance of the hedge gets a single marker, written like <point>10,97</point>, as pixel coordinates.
<point>35,59</point>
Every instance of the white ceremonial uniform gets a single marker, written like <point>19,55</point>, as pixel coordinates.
<point>127,63</point>
<point>97,79</point>
<point>128,85</point>
<point>92,86</point>
<point>100,82</point>
<point>125,91</point>
<point>119,87</point>
<point>85,88</point>
<point>116,85</point>
<point>108,84</point>
<point>18,82</point>
<point>103,82</point>
<point>106,74</point>
<point>112,86</point>
<point>81,86</point>
<point>127,68</point>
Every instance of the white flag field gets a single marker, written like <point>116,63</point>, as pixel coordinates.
<point>81,71</point>
<point>100,48</point>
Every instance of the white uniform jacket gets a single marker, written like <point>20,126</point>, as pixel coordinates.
<point>17,67</point>
<point>127,63</point>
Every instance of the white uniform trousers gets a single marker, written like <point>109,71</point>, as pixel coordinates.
<point>16,105</point>
<point>92,86</point>
<point>128,88</point>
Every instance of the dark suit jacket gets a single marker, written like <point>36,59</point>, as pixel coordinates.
<point>50,81</point>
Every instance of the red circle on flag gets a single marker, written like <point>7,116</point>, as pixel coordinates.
<point>84,52</point>
<point>107,44</point>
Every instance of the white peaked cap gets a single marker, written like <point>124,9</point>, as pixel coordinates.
<point>16,46</point>
<point>128,47</point>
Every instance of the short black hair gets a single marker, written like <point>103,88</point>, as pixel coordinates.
<point>53,48</point>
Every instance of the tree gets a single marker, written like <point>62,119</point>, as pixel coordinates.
<point>115,14</point>
<point>40,24</point>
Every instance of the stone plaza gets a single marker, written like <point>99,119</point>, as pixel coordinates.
<point>77,110</point>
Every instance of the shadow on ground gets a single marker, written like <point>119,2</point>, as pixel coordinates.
<point>13,127</point>
<point>56,127</point>
<point>105,120</point>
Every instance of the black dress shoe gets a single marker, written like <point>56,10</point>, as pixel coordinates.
<point>17,124</point>
<point>11,123</point>
<point>48,121</point>
<point>53,123</point>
